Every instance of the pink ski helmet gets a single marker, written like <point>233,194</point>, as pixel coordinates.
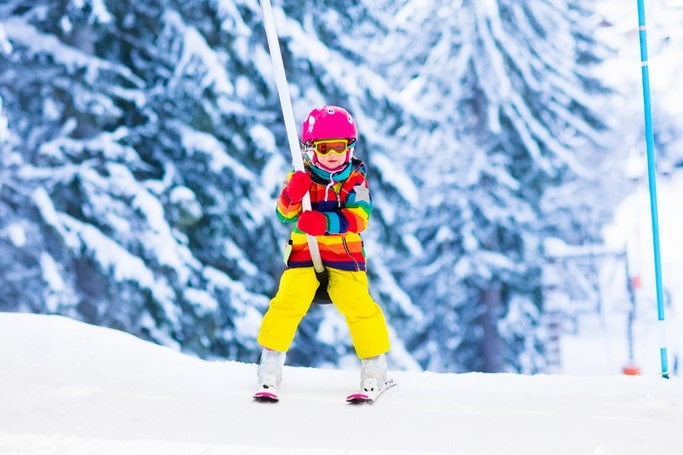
<point>328,122</point>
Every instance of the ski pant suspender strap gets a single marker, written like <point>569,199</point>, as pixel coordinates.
<point>288,114</point>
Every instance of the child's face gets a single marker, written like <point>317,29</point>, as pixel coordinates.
<point>332,160</point>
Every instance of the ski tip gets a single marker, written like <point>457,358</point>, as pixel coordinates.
<point>369,397</point>
<point>265,397</point>
<point>358,398</point>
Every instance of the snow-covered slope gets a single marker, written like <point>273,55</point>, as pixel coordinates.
<point>70,388</point>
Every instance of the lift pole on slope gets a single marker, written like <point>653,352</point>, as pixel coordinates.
<point>651,174</point>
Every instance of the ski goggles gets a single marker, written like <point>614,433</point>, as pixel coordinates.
<point>326,146</point>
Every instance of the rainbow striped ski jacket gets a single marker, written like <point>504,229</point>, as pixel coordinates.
<point>344,199</point>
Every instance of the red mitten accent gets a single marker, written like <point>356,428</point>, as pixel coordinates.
<point>312,222</point>
<point>298,186</point>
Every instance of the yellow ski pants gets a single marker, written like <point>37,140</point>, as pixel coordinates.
<point>350,294</point>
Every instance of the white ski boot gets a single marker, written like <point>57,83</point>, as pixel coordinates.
<point>373,374</point>
<point>269,374</point>
<point>373,381</point>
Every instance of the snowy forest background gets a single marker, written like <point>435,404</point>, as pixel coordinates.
<point>142,149</point>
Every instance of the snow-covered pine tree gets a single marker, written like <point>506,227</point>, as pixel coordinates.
<point>141,141</point>
<point>503,90</point>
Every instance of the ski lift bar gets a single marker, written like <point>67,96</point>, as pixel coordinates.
<point>288,114</point>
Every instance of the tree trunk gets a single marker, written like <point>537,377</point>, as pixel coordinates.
<point>492,344</point>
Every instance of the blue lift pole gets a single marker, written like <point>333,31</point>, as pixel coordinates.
<point>651,175</point>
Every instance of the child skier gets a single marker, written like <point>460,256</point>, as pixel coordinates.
<point>341,206</point>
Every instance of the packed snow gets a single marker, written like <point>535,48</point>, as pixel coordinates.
<point>71,388</point>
